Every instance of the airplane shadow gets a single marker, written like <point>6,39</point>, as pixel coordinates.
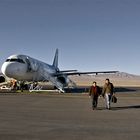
<point>86,89</point>
<point>123,89</point>
<point>77,90</point>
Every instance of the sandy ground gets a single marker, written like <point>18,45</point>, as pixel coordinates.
<point>68,117</point>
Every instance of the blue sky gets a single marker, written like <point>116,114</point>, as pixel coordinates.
<point>92,35</point>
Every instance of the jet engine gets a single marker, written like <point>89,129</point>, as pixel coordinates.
<point>63,79</point>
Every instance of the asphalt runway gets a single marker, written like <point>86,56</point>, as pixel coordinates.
<point>68,117</point>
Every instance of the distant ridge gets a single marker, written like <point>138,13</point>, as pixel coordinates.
<point>120,75</point>
<point>119,79</point>
<point>115,75</point>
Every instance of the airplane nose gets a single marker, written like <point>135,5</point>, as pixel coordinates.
<point>3,68</point>
<point>7,69</point>
<point>11,69</point>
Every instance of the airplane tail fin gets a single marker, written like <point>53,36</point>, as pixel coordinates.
<point>55,61</point>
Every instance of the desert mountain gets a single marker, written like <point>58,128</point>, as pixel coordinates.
<point>119,79</point>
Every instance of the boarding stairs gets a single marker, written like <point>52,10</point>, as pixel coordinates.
<point>52,79</point>
<point>35,87</point>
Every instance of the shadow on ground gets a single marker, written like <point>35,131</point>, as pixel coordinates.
<point>120,108</point>
<point>86,89</point>
<point>126,107</point>
<point>128,89</point>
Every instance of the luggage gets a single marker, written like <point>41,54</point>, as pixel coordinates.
<point>114,99</point>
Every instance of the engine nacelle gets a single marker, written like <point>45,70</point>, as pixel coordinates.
<point>63,79</point>
<point>2,79</point>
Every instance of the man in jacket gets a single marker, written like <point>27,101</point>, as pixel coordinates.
<point>108,91</point>
<point>94,93</point>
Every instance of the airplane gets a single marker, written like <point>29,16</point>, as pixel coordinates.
<point>26,68</point>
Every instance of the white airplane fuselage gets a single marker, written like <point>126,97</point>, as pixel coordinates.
<point>22,67</point>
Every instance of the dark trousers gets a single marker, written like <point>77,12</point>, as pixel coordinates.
<point>94,101</point>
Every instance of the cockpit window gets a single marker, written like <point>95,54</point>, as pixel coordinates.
<point>15,60</point>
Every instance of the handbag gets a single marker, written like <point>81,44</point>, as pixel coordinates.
<point>114,99</point>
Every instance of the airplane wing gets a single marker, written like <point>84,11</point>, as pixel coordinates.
<point>65,71</point>
<point>82,73</point>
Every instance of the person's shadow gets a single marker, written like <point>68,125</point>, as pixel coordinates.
<point>126,107</point>
<point>120,108</point>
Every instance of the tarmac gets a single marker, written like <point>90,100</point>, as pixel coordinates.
<point>68,117</point>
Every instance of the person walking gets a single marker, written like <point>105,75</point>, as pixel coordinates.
<point>108,92</point>
<point>94,93</point>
